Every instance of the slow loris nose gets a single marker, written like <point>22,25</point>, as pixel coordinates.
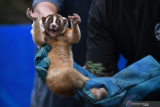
<point>53,25</point>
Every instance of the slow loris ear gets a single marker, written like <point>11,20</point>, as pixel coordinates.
<point>65,22</point>
<point>43,19</point>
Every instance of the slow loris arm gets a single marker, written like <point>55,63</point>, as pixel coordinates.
<point>36,32</point>
<point>42,9</point>
<point>38,35</point>
<point>74,34</point>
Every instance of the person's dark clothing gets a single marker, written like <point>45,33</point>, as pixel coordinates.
<point>131,27</point>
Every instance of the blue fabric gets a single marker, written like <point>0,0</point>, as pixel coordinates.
<point>139,79</point>
<point>16,65</point>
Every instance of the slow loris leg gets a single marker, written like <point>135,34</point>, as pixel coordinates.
<point>78,80</point>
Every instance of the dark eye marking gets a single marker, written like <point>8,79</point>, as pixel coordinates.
<point>50,20</point>
<point>58,21</point>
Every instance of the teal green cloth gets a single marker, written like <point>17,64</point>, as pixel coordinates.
<point>42,62</point>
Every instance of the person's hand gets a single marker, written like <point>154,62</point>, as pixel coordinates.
<point>42,61</point>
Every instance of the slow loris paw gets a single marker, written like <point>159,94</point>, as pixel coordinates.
<point>75,19</point>
<point>31,15</point>
<point>98,93</point>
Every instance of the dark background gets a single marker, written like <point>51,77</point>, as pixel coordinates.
<point>13,11</point>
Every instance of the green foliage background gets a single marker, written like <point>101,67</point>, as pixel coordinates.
<point>14,11</point>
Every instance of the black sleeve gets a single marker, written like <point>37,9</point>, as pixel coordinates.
<point>101,46</point>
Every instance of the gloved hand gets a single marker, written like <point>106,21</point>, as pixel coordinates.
<point>131,84</point>
<point>42,63</point>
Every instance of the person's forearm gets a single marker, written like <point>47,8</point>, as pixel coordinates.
<point>45,8</point>
<point>100,69</point>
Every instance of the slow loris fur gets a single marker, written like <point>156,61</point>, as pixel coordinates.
<point>61,78</point>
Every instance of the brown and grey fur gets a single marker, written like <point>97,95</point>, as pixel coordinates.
<point>61,78</point>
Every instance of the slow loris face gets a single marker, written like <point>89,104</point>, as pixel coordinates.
<point>54,24</point>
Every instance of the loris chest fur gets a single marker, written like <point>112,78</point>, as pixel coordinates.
<point>60,55</point>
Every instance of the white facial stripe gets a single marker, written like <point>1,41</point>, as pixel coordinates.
<point>54,21</point>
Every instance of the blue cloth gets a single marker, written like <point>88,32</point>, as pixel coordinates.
<point>133,83</point>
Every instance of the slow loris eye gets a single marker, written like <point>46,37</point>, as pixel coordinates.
<point>50,20</point>
<point>57,21</point>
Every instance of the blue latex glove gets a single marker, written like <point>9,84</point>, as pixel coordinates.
<point>42,63</point>
<point>131,84</point>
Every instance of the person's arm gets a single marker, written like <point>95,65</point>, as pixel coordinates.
<point>44,8</point>
<point>101,48</point>
<point>100,69</point>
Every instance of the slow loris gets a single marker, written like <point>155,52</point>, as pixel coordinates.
<point>61,78</point>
